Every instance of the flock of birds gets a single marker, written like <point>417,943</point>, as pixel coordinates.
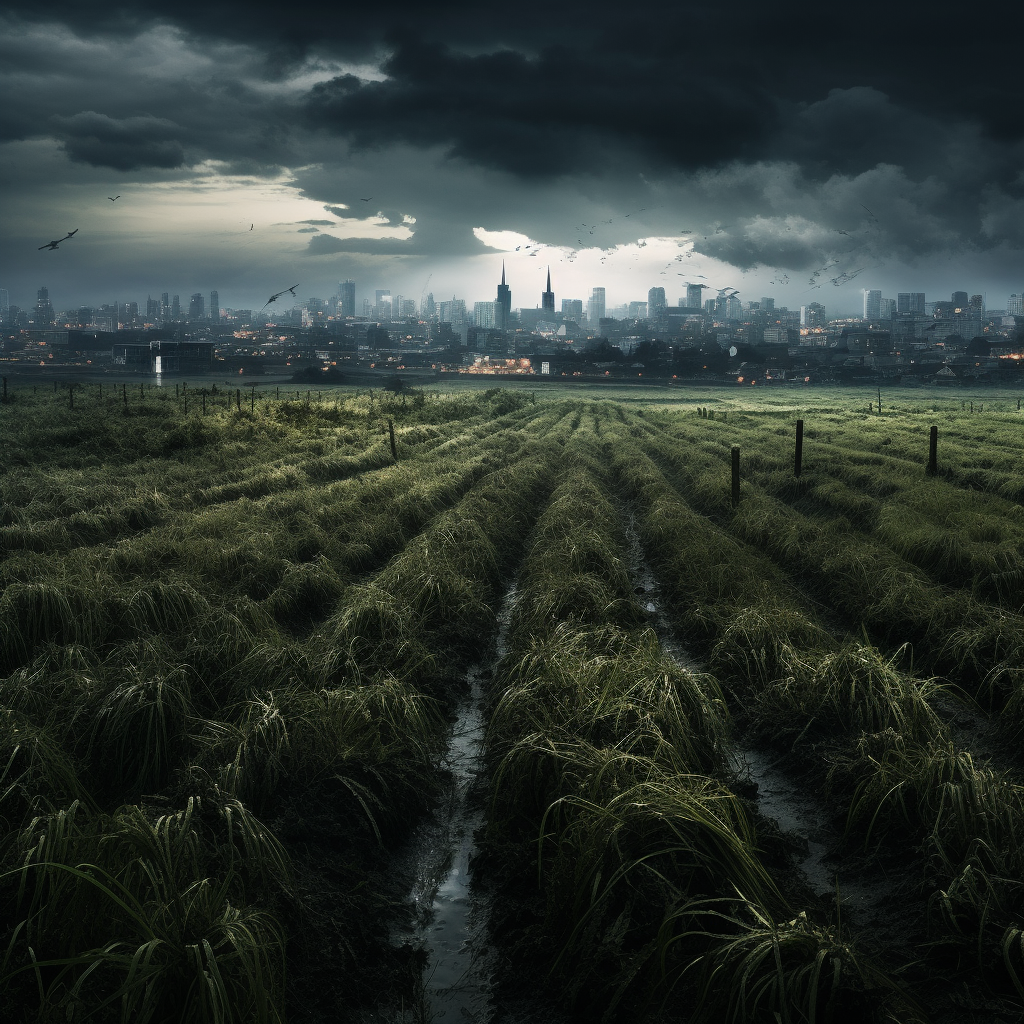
<point>55,244</point>
<point>533,250</point>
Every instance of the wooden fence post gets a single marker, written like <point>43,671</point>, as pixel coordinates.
<point>204,401</point>
<point>238,399</point>
<point>879,401</point>
<point>394,449</point>
<point>252,400</point>
<point>735,475</point>
<point>799,456</point>
<point>933,447</point>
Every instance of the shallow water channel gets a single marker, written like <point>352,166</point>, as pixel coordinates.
<point>798,812</point>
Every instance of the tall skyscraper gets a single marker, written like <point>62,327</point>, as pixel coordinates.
<point>347,302</point>
<point>655,302</point>
<point>1015,305</point>
<point>547,298</point>
<point>910,302</point>
<point>733,308</point>
<point>428,308</point>
<point>768,303</point>
<point>152,309</point>
<point>43,314</point>
<point>165,306</point>
<point>453,312</point>
<point>504,300</point>
<point>572,309</point>
<point>693,296</point>
<point>872,303</point>
<point>5,303</point>
<point>197,306</point>
<point>595,308</point>
<point>175,307</point>
<point>812,315</point>
<point>214,308</point>
<point>978,303</point>
<point>960,301</point>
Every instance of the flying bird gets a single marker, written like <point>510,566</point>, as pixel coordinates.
<point>277,295</point>
<point>56,242</point>
<point>113,199</point>
<point>365,200</point>
<point>251,226</point>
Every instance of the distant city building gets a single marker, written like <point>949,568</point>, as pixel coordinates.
<point>5,303</point>
<point>887,308</point>
<point>1015,305</point>
<point>910,302</point>
<point>197,306</point>
<point>655,302</point>
<point>978,303</point>
<point>693,295</point>
<point>813,315</point>
<point>165,307</point>
<point>347,298</point>
<point>960,301</point>
<point>214,308</point>
<point>486,314</point>
<point>382,305</point>
<point>547,297</point>
<point>428,308</point>
<point>733,308</point>
<point>872,303</point>
<point>595,307</point>
<point>453,312</point>
<point>768,303</point>
<point>637,311</point>
<point>152,309</point>
<point>572,309</point>
<point>43,314</point>
<point>175,307</point>
<point>504,300</point>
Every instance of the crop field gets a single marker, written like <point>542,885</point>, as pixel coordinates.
<point>235,632</point>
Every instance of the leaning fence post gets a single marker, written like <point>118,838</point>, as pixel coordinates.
<point>735,475</point>
<point>799,456</point>
<point>933,447</point>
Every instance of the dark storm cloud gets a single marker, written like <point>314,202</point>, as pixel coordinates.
<point>545,116</point>
<point>124,145</point>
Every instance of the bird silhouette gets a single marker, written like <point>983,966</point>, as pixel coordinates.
<point>113,199</point>
<point>56,242</point>
<point>251,226</point>
<point>365,200</point>
<point>277,295</point>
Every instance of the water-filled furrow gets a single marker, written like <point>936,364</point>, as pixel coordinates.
<point>791,806</point>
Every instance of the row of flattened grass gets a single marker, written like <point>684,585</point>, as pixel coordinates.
<point>607,762</point>
<point>853,718</point>
<point>155,714</point>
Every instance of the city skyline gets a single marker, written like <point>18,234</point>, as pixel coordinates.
<point>795,156</point>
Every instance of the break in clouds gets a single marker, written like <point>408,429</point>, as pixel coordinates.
<point>801,140</point>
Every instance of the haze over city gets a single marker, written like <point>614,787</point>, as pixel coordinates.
<point>798,153</point>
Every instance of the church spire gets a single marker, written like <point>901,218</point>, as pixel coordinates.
<point>549,279</point>
<point>547,300</point>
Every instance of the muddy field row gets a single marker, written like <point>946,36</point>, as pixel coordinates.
<point>519,719</point>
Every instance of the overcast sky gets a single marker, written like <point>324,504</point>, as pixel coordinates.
<point>798,150</point>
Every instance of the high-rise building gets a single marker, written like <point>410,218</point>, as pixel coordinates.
<point>978,303</point>
<point>214,308</point>
<point>768,303</point>
<point>693,298</point>
<point>910,302</point>
<point>572,309</point>
<point>547,297</point>
<point>152,309</point>
<point>733,308</point>
<point>397,306</point>
<point>5,303</point>
<point>872,303</point>
<point>960,301</point>
<point>453,312</point>
<point>197,306</point>
<point>504,300</point>
<point>347,298</point>
<point>637,311</point>
<point>43,315</point>
<point>1015,305</point>
<point>486,314</point>
<point>886,308</point>
<point>428,308</point>
<point>655,302</point>
<point>175,307</point>
<point>595,308</point>
<point>812,315</point>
